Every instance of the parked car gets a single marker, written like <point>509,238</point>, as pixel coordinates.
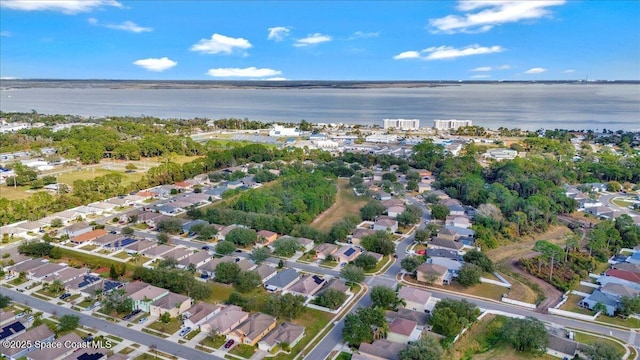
<point>205,248</point>
<point>19,315</point>
<point>238,251</point>
<point>64,296</point>
<point>142,320</point>
<point>30,318</point>
<point>229,344</point>
<point>185,331</point>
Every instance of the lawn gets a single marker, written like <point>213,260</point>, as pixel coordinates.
<point>169,328</point>
<point>307,258</point>
<point>382,263</point>
<point>85,303</point>
<point>121,255</point>
<point>572,305</point>
<point>14,193</point>
<point>484,290</point>
<point>243,350</point>
<point>616,320</point>
<point>92,261</point>
<point>89,247</point>
<point>313,321</point>
<point>87,174</point>
<point>347,203</point>
<point>18,281</point>
<point>139,261</point>
<point>329,264</point>
<point>192,334</point>
<point>219,293</point>
<point>214,343</point>
<point>344,356</point>
<point>589,339</point>
<point>48,293</point>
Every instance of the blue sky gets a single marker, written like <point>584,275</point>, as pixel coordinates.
<point>327,40</point>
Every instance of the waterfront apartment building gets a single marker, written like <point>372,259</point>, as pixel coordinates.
<point>450,124</point>
<point>402,124</point>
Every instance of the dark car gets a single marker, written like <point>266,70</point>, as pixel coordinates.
<point>238,251</point>
<point>64,296</point>
<point>229,344</point>
<point>205,248</point>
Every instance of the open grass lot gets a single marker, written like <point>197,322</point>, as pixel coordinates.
<point>14,193</point>
<point>138,261</point>
<point>519,291</point>
<point>616,320</point>
<point>488,291</point>
<point>214,343</point>
<point>121,255</point>
<point>89,247</point>
<point>92,261</point>
<point>347,203</point>
<point>219,293</point>
<point>169,328</point>
<point>588,339</point>
<point>475,344</point>
<point>242,350</point>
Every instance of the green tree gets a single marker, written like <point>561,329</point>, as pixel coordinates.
<point>56,286</point>
<point>4,301</point>
<point>260,254</point>
<point>550,251</point>
<point>171,226</point>
<point>527,334</point>
<point>68,323</point>
<point>56,223</point>
<point>371,210</point>
<point>113,273</point>
<point>439,212</point>
<point>381,242</point>
<point>469,274</point>
<point>629,305</point>
<point>227,272</point>
<point>165,317</point>
<point>427,348</point>
<point>449,316</point>
<point>410,264</point>
<point>422,236</point>
<point>131,167</point>
<point>285,246</point>
<point>127,231</point>
<point>287,306</point>
<point>352,274</point>
<point>366,262</point>
<point>601,350</point>
<point>384,298</point>
<point>247,281</point>
<point>207,233</point>
<point>225,247</point>
<point>242,236</point>
<point>331,299</point>
<point>407,218</point>
<point>358,326</point>
<point>163,238</point>
<point>479,258</point>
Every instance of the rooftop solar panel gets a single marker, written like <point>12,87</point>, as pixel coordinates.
<point>350,251</point>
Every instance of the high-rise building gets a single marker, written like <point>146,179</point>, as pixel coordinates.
<point>451,124</point>
<point>402,124</point>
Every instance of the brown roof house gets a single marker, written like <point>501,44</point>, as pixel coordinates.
<point>415,299</point>
<point>76,229</point>
<point>308,285</point>
<point>266,237</point>
<point>433,273</point>
<point>265,272</point>
<point>226,320</point>
<point>172,303</point>
<point>381,350</point>
<point>88,237</point>
<point>385,223</point>
<point>358,234</point>
<point>252,330</point>
<point>325,249</point>
<point>347,254</point>
<point>144,294</point>
<point>285,333</point>
<point>403,330</point>
<point>40,334</point>
<point>200,313</point>
<point>59,348</point>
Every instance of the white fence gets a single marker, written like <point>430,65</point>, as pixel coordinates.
<point>519,303</point>
<point>494,282</point>
<point>572,314</point>
<point>589,284</point>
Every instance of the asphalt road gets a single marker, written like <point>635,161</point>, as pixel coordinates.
<point>118,330</point>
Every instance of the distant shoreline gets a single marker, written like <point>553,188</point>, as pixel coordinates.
<point>260,84</point>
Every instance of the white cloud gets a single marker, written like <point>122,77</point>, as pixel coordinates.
<point>407,55</point>
<point>8,78</point>
<point>156,64</point>
<point>491,13</point>
<point>503,67</point>
<point>480,76</point>
<point>246,72</point>
<point>220,44</point>
<point>278,33</point>
<point>125,26</point>
<point>569,71</point>
<point>5,33</point>
<point>63,6</point>
<point>448,52</point>
<point>313,39</point>
<point>483,68</point>
<point>535,70</point>
<point>363,35</point>
<point>491,68</point>
<point>277,79</point>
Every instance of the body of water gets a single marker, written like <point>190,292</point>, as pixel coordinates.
<point>525,106</point>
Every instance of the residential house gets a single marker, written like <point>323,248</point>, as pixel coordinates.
<point>385,223</point>
<point>42,273</point>
<point>441,195</point>
<point>443,253</point>
<point>23,229</point>
<point>221,235</point>
<point>448,234</point>
<point>394,211</point>
<point>38,335</point>
<point>455,209</point>
<point>452,265</point>
<point>338,285</point>
<point>285,333</point>
<point>120,202</point>
<point>26,266</point>
<point>458,222</point>
<point>108,241</point>
<point>602,212</point>
<point>421,318</point>
<point>375,255</point>
<point>103,205</point>
<point>156,251</point>
<point>358,234</point>
<point>347,254</point>
<point>381,350</point>
<point>560,346</point>
<point>308,285</point>
<point>10,330</point>
<point>69,274</point>
<point>265,272</point>
<point>152,219</point>
<point>282,280</point>
<point>200,313</point>
<point>460,231</point>
<point>402,331</point>
<point>225,321</point>
<point>140,246</point>
<point>634,258</point>
<point>172,303</point>
<point>610,303</point>
<point>440,243</point>
<point>305,244</point>
<point>382,196</point>
<point>324,250</point>
<point>144,294</point>
<point>415,299</point>
<point>186,228</point>
<point>76,229</point>
<point>424,187</point>
<point>393,202</point>
<point>169,209</point>
<point>178,253</point>
<point>68,216</point>
<point>59,347</point>
<point>196,259</point>
<point>252,330</point>
<point>88,237</point>
<point>433,273</point>
<point>266,237</point>
<point>619,290</point>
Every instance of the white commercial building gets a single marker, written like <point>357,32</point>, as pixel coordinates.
<point>279,130</point>
<point>402,124</point>
<point>386,139</point>
<point>450,124</point>
<point>501,154</point>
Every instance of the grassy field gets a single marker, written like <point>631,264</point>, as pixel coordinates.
<point>616,320</point>
<point>92,261</point>
<point>219,293</point>
<point>382,263</point>
<point>17,193</point>
<point>484,290</point>
<point>121,255</point>
<point>572,305</point>
<point>588,339</point>
<point>313,321</point>
<point>242,350</point>
<point>347,203</point>
<point>169,328</point>
<point>214,343</point>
